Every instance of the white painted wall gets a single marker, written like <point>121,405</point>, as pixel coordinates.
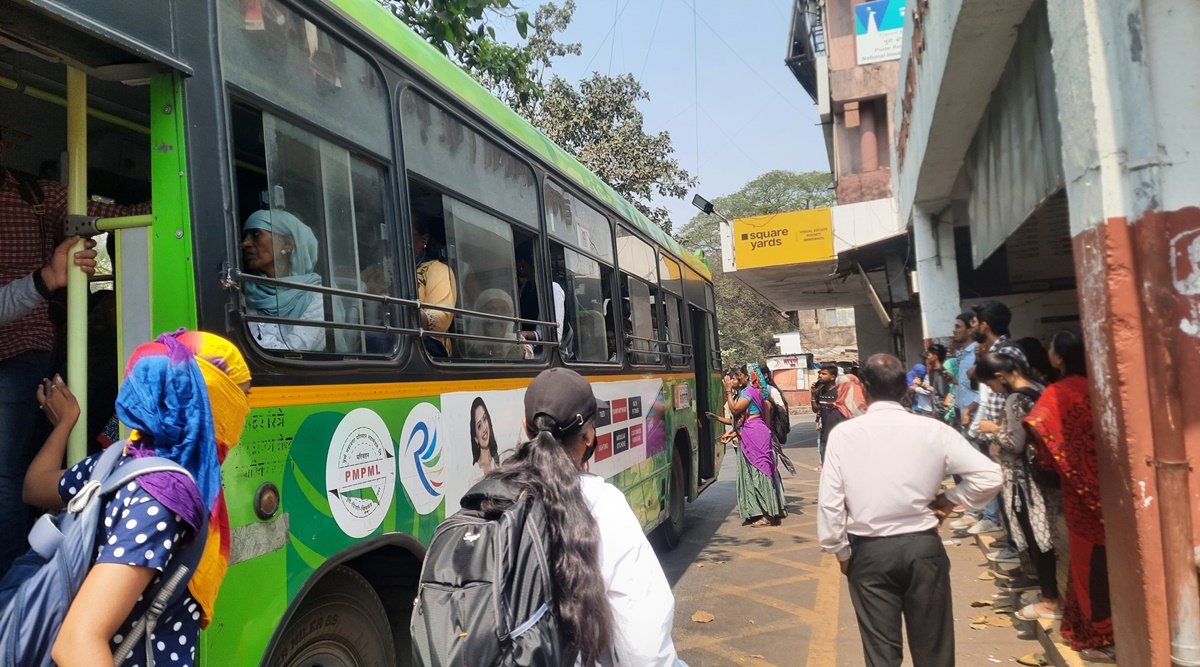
<point>789,343</point>
<point>937,273</point>
<point>864,222</point>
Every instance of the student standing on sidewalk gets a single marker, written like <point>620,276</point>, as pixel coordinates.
<point>879,509</point>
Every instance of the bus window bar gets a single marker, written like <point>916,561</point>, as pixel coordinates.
<point>648,354</point>
<point>232,278</point>
<point>386,329</point>
<point>91,225</point>
<point>683,347</point>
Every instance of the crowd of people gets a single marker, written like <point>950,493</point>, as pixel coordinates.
<point>1019,405</point>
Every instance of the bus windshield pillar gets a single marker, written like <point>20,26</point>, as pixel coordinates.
<point>77,281</point>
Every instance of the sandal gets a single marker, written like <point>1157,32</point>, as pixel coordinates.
<point>1104,655</point>
<point>1038,610</point>
<point>760,523</point>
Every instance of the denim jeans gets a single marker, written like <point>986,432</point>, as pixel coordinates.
<point>20,422</point>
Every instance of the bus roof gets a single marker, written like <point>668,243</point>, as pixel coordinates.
<point>376,19</point>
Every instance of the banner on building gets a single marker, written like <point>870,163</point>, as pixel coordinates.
<point>783,238</point>
<point>879,30</point>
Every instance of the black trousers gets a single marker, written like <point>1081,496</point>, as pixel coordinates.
<point>1044,564</point>
<point>909,576</point>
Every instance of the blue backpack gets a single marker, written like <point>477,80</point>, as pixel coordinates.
<point>42,583</point>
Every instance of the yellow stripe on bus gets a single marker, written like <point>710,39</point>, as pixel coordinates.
<point>272,397</point>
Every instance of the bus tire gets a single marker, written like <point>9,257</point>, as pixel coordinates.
<point>670,531</point>
<point>341,623</point>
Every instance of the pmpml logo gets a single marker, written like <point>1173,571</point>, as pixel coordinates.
<point>422,471</point>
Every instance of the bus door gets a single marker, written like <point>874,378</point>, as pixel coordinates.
<point>707,464</point>
<point>78,118</point>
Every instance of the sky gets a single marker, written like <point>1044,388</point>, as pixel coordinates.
<point>717,83</point>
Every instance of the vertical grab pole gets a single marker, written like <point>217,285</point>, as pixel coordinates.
<point>77,283</point>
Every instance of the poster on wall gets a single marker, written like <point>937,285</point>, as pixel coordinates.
<point>879,30</point>
<point>483,428</point>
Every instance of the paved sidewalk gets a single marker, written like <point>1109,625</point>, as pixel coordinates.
<point>775,599</point>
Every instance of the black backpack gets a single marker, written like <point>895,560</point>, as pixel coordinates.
<point>781,421</point>
<point>486,596</point>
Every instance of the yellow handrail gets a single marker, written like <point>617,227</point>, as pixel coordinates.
<point>77,282</point>
<point>39,94</point>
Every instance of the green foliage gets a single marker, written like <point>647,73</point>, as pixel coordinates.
<point>747,323</point>
<point>600,124</point>
<point>461,30</point>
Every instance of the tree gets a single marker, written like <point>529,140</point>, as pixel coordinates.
<point>599,123</point>
<point>747,323</point>
<point>461,30</point>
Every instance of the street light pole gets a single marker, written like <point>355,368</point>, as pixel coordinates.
<point>726,230</point>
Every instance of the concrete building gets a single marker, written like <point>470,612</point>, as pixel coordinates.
<point>1046,153</point>
<point>853,255</point>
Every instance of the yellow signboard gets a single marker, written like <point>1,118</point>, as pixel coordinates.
<point>783,238</point>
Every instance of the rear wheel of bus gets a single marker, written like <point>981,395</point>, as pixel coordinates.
<point>670,531</point>
<point>341,623</point>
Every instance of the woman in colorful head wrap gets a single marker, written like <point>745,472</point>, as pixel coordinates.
<point>277,245</point>
<point>184,396</point>
<point>757,496</point>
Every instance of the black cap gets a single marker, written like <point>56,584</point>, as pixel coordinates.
<point>565,397</point>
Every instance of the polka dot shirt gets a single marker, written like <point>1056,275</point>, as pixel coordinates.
<point>139,530</point>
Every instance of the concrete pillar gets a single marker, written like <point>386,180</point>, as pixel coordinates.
<point>1130,160</point>
<point>937,272</point>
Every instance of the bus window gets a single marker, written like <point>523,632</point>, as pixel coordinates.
<point>641,327</point>
<point>575,223</point>
<point>670,275</point>
<point>312,213</point>
<point>287,59</point>
<point>450,164</point>
<point>481,254</point>
<point>635,256</point>
<point>676,351</point>
<point>587,285</point>
<point>441,148</point>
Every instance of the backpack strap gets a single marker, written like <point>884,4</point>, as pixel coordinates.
<point>138,467</point>
<point>32,194</point>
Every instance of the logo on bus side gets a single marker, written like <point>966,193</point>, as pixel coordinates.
<point>360,472</point>
<point>422,471</point>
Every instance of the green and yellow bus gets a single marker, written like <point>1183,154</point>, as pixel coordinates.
<point>368,421</point>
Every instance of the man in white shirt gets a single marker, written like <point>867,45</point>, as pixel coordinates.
<point>880,508</point>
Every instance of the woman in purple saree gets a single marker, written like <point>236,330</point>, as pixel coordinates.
<point>757,496</point>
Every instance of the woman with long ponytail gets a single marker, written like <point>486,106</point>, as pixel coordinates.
<point>613,598</point>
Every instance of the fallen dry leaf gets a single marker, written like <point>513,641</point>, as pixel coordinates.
<point>981,603</point>
<point>987,576</point>
<point>755,655</point>
<point>1000,622</point>
<point>699,564</point>
<point>979,619</point>
<point>1033,659</point>
<point>979,626</point>
<point>702,616</point>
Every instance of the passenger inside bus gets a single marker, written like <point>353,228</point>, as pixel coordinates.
<point>33,208</point>
<point>276,244</point>
<point>527,286</point>
<point>495,302</point>
<point>435,280</point>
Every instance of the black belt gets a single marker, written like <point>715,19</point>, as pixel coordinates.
<point>858,539</point>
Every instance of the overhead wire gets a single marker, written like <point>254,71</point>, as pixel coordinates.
<point>653,33</point>
<point>611,28</point>
<point>697,15</point>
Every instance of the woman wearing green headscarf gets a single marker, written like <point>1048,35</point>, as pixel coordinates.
<point>277,245</point>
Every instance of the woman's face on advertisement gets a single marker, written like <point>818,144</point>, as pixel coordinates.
<point>483,427</point>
